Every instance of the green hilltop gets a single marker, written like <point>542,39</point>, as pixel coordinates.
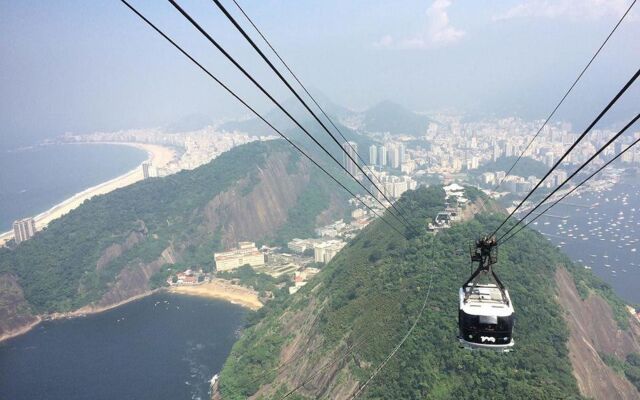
<point>366,299</point>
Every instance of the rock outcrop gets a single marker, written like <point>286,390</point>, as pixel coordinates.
<point>15,313</point>
<point>594,331</point>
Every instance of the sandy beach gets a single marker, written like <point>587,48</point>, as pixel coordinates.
<point>158,156</point>
<point>222,290</point>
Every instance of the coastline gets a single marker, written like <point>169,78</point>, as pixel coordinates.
<point>218,289</point>
<point>79,313</point>
<point>158,155</point>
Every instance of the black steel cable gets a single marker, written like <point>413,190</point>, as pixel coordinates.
<point>285,363</point>
<point>405,337</point>
<point>347,353</point>
<point>565,95</point>
<point>295,93</point>
<point>361,340</point>
<point>225,87</point>
<point>266,93</point>
<point>595,121</point>
<point>573,190</point>
<point>574,173</point>
<point>326,115</point>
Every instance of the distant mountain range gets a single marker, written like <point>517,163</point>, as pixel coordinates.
<point>384,117</point>
<point>395,119</point>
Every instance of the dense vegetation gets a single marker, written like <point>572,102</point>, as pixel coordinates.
<point>526,167</point>
<point>629,367</point>
<point>260,282</point>
<point>370,294</point>
<point>57,268</point>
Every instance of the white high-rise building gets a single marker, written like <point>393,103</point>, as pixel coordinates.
<point>245,254</point>
<point>149,171</point>
<point>549,158</point>
<point>474,162</point>
<point>24,229</point>
<point>382,156</point>
<point>373,155</point>
<point>496,152</point>
<point>394,155</point>
<point>508,150</point>
<point>350,148</point>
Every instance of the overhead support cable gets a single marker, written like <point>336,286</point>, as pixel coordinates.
<point>546,121</point>
<point>364,336</point>
<point>326,115</point>
<point>277,103</point>
<point>232,93</point>
<point>578,140</point>
<point>574,189</point>
<point>574,173</point>
<point>294,92</point>
<point>405,337</point>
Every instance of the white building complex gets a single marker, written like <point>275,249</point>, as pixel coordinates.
<point>325,251</point>
<point>300,245</point>
<point>24,229</point>
<point>245,254</point>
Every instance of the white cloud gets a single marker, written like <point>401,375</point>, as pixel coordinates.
<point>385,41</point>
<point>574,9</point>
<point>438,31</point>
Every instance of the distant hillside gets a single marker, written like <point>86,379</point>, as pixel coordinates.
<point>395,119</point>
<point>367,297</point>
<point>114,246</point>
<point>188,123</point>
<point>384,117</point>
<point>256,127</point>
<point>526,167</point>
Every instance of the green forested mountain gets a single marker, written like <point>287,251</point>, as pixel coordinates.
<point>328,338</point>
<point>395,119</point>
<point>111,247</point>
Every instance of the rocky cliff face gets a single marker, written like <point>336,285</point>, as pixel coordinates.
<point>15,312</point>
<point>257,206</point>
<point>594,331</point>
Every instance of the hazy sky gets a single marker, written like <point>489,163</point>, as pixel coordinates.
<point>92,65</point>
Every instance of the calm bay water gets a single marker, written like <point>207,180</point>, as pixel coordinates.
<point>160,347</point>
<point>34,179</point>
<point>601,231</point>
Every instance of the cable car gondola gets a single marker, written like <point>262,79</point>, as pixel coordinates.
<point>485,316</point>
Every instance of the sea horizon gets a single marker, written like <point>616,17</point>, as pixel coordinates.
<point>35,178</point>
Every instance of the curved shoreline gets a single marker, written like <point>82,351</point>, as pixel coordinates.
<point>216,290</point>
<point>159,155</point>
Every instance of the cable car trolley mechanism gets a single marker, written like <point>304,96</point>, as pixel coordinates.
<point>485,316</point>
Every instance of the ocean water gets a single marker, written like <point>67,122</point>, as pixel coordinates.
<point>601,231</point>
<point>162,347</point>
<point>34,179</point>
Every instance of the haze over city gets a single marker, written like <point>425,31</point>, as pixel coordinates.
<point>82,67</point>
